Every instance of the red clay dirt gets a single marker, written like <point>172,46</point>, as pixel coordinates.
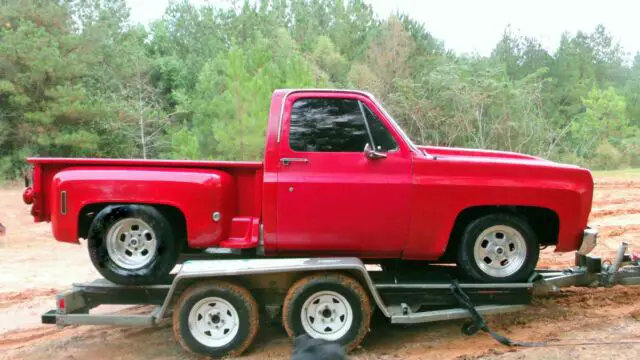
<point>577,322</point>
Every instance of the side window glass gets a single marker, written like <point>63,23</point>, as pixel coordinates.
<point>327,125</point>
<point>381,136</point>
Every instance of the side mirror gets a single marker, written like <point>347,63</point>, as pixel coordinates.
<point>372,154</point>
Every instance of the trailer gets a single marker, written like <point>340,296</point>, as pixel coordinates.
<point>216,306</point>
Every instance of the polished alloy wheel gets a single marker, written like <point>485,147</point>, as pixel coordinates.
<point>500,251</point>
<point>131,243</point>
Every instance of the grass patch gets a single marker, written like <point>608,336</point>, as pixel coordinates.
<point>621,174</point>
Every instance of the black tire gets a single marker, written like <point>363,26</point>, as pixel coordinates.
<point>243,303</point>
<point>157,269</point>
<point>349,288</point>
<point>466,258</point>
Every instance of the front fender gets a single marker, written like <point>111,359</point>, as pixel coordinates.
<point>196,193</point>
<point>439,201</point>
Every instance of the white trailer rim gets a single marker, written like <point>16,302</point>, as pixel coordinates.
<point>500,251</point>
<point>213,322</point>
<point>326,315</point>
<point>131,243</point>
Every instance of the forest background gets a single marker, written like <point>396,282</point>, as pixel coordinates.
<point>78,78</point>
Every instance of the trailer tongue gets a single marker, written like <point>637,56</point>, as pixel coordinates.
<point>215,303</point>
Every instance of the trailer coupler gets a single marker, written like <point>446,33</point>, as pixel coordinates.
<point>591,271</point>
<point>588,271</point>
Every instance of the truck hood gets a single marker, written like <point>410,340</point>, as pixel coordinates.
<point>501,159</point>
<point>440,151</point>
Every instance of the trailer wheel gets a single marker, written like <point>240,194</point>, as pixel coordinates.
<point>331,307</point>
<point>216,319</point>
<point>498,248</point>
<point>132,245</point>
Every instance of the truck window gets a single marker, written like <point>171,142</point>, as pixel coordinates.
<point>381,136</point>
<point>327,125</point>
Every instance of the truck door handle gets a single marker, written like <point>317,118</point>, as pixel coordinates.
<point>287,161</point>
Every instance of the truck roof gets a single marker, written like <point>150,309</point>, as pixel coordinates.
<point>354,91</point>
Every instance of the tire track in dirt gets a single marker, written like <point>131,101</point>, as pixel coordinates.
<point>20,338</point>
<point>597,214</point>
<point>609,231</point>
<point>615,184</point>
<point>599,202</point>
<point>14,297</point>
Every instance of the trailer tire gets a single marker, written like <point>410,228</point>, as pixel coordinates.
<point>110,260</point>
<point>498,248</point>
<point>350,306</point>
<point>238,307</point>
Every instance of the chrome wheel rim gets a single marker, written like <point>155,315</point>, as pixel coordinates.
<point>500,251</point>
<point>131,243</point>
<point>326,315</point>
<point>213,322</point>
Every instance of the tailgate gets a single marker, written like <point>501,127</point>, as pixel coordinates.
<point>35,191</point>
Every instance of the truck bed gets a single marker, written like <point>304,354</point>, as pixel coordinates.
<point>183,184</point>
<point>147,162</point>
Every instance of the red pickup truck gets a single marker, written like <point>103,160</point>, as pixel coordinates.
<point>339,178</point>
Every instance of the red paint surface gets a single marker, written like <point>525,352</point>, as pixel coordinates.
<point>335,204</point>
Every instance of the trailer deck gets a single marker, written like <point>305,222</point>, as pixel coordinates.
<point>75,304</point>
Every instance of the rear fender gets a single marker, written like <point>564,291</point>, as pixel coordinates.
<point>196,193</point>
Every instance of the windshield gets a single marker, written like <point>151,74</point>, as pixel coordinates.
<point>393,122</point>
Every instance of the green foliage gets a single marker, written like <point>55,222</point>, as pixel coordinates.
<point>330,61</point>
<point>632,93</point>
<point>602,120</point>
<point>473,103</point>
<point>631,148</point>
<point>46,108</point>
<point>607,157</point>
<point>231,99</point>
<point>77,78</point>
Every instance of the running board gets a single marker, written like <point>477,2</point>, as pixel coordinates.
<point>449,314</point>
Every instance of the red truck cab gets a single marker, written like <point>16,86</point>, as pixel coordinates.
<point>339,178</point>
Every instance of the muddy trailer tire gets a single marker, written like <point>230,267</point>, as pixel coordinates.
<point>216,319</point>
<point>330,306</point>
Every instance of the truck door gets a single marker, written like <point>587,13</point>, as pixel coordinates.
<point>332,198</point>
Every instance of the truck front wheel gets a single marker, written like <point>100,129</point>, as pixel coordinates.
<point>330,307</point>
<point>132,245</point>
<point>498,248</point>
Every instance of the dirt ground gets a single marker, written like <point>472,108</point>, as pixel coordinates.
<point>577,323</point>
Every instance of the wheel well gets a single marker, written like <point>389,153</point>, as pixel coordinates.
<point>544,222</point>
<point>174,216</point>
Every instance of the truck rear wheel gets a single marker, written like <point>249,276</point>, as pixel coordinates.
<point>216,319</point>
<point>498,248</point>
<point>132,245</point>
<point>331,307</point>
